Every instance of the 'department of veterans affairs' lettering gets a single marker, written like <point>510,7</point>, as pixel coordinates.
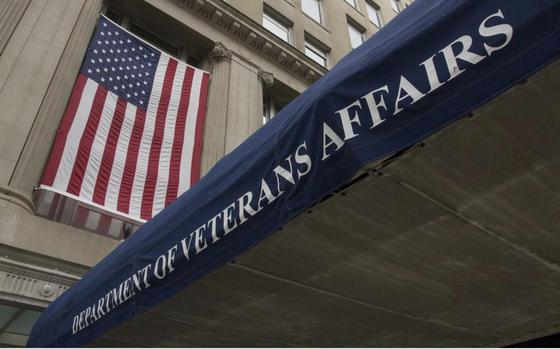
<point>386,101</point>
<point>433,64</point>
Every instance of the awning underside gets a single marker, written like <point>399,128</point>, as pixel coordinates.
<point>453,244</point>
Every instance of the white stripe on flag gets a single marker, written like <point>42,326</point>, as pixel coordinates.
<point>117,170</point>
<point>72,144</point>
<point>190,129</point>
<point>98,147</point>
<point>146,142</point>
<point>168,137</point>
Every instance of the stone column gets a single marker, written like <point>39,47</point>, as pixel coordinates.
<point>38,68</point>
<point>245,102</point>
<point>10,14</point>
<point>235,103</point>
<point>213,148</point>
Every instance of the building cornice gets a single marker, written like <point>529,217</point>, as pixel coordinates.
<point>31,284</point>
<point>255,36</point>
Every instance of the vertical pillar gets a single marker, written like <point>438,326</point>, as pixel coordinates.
<point>10,14</point>
<point>43,56</point>
<point>235,103</point>
<point>213,148</point>
<point>245,102</point>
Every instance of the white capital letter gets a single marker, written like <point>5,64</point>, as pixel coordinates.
<point>347,120</point>
<point>500,29</point>
<point>465,55</point>
<point>374,105</point>
<point>409,90</point>
<point>333,140</point>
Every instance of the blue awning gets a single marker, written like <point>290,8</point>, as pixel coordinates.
<point>433,64</point>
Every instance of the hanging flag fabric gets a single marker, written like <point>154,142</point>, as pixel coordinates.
<point>130,139</point>
<point>434,63</point>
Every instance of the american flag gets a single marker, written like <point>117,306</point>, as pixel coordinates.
<point>130,138</point>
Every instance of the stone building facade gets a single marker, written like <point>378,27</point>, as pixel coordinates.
<point>261,54</point>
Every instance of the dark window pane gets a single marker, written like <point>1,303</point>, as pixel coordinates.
<point>154,40</point>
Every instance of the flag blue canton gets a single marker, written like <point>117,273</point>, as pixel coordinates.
<point>121,63</point>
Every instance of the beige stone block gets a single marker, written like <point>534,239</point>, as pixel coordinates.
<point>31,73</point>
<point>34,156</point>
<point>10,14</point>
<point>34,234</point>
<point>18,39</point>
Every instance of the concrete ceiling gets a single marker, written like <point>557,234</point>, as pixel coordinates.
<point>455,243</point>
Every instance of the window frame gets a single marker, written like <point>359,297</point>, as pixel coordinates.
<point>155,39</point>
<point>319,9</point>
<point>144,32</point>
<point>373,7</point>
<point>318,49</point>
<point>395,6</point>
<point>352,3</point>
<point>350,25</point>
<point>277,21</point>
<point>269,108</point>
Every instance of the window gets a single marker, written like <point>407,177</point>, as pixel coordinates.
<point>269,109</point>
<point>176,50</point>
<point>277,28</point>
<point>351,3</point>
<point>114,15</point>
<point>316,54</point>
<point>374,14</point>
<point>157,39</point>
<point>312,8</point>
<point>16,320</point>
<point>395,5</point>
<point>356,36</point>
<point>154,39</point>
<point>275,98</point>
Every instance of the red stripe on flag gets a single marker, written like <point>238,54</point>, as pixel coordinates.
<point>157,140</point>
<point>62,134</point>
<point>109,153</point>
<point>197,151</point>
<point>127,181</point>
<point>104,224</point>
<point>179,138</point>
<point>86,141</point>
<point>81,216</point>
